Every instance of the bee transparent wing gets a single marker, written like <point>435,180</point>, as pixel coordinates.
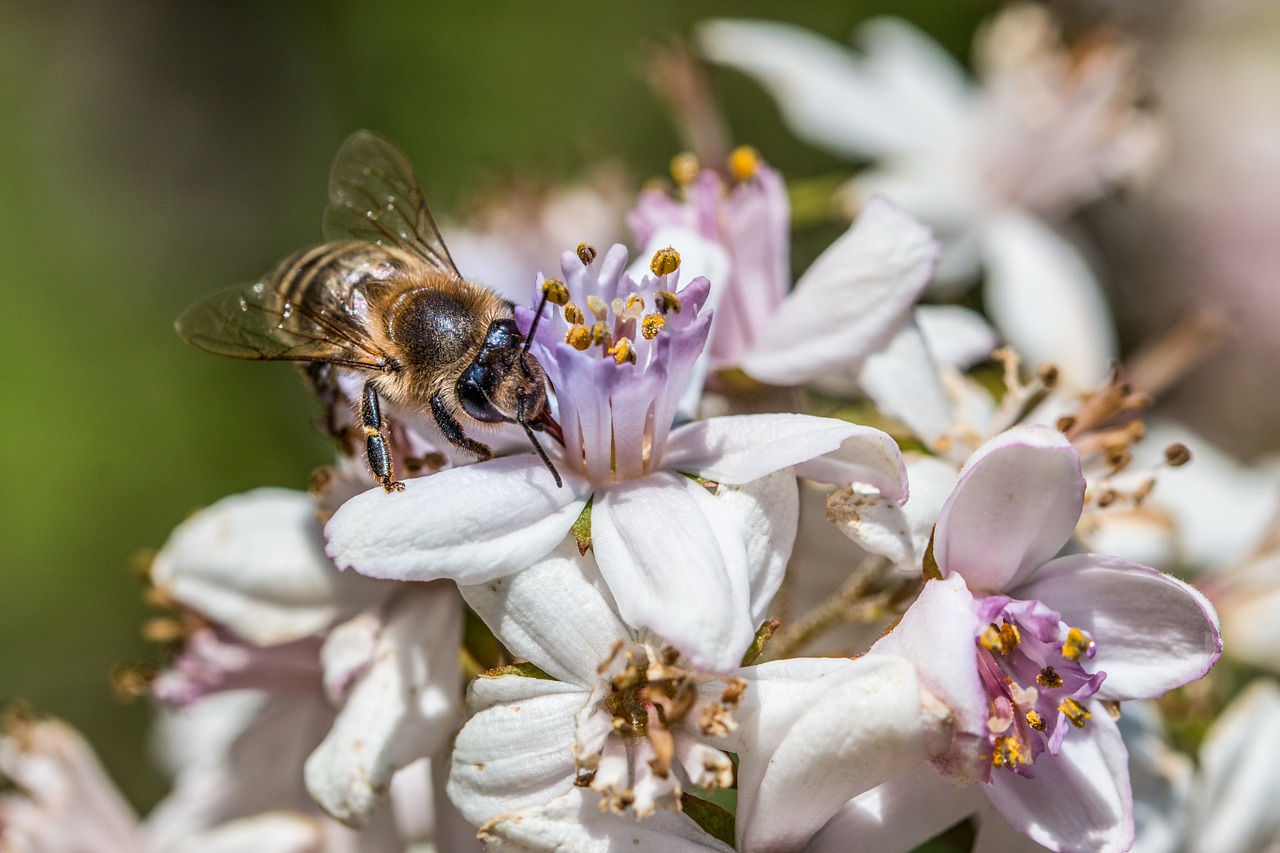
<point>374,196</point>
<point>257,323</point>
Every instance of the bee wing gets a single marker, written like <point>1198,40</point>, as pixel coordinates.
<point>374,196</point>
<point>257,323</point>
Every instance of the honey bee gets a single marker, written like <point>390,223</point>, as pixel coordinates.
<point>383,297</point>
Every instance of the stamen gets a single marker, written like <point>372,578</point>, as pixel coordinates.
<point>667,302</point>
<point>1077,645</point>
<point>1177,454</point>
<point>623,351</point>
<point>1008,752</point>
<point>744,163</point>
<point>665,261</point>
<point>573,314</point>
<point>556,291</point>
<point>1035,721</point>
<point>586,254</point>
<point>1076,713</point>
<point>600,335</point>
<point>651,325</point>
<point>578,337</point>
<point>1049,677</point>
<point>598,307</point>
<point>684,168</point>
<point>632,309</point>
<point>1003,639</point>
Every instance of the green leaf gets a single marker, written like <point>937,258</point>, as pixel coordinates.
<point>763,635</point>
<point>581,528</point>
<point>715,821</point>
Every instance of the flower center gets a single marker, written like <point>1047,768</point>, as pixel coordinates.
<point>1031,664</point>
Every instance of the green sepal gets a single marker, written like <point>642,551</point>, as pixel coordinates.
<point>715,821</point>
<point>581,528</point>
<point>931,570</point>
<point>524,670</point>
<point>763,634</point>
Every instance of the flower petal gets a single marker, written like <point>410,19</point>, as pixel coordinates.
<point>1080,799</point>
<point>768,510</point>
<point>902,380</point>
<point>850,302</point>
<point>799,762</point>
<point>576,822</point>
<point>1046,301</point>
<point>471,524</point>
<point>956,335</point>
<point>900,814</point>
<point>516,751</point>
<point>1015,505</point>
<point>742,448</point>
<point>676,564</point>
<point>400,708</point>
<point>557,614</point>
<point>255,564</point>
<point>1153,632</point>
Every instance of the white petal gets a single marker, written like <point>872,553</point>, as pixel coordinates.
<point>1045,300</point>
<point>1234,807</point>
<point>902,380</point>
<point>768,510</point>
<point>903,94</point>
<point>515,753</point>
<point>742,448</point>
<point>400,709</point>
<point>471,524</point>
<point>898,815</point>
<point>676,564</point>
<point>255,563</point>
<point>850,302</point>
<point>557,613</point>
<point>1161,779</point>
<point>815,733</point>
<point>575,823</point>
<point>274,832</point>
<point>955,335</point>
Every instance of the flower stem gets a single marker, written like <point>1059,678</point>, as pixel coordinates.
<point>850,603</point>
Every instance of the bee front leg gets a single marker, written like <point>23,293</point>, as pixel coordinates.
<point>375,445</point>
<point>453,430</point>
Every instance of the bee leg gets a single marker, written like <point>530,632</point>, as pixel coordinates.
<point>323,381</point>
<point>453,430</point>
<point>375,445</point>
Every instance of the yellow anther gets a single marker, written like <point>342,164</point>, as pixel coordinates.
<point>573,314</point>
<point>598,307</point>
<point>556,291</point>
<point>578,337</point>
<point>684,168</point>
<point>1003,639</point>
<point>623,351</point>
<point>667,301</point>
<point>586,254</point>
<point>1007,752</point>
<point>1077,645</point>
<point>634,304</point>
<point>1076,713</point>
<point>665,261</point>
<point>600,334</point>
<point>1049,677</point>
<point>651,325</point>
<point>1035,721</point>
<point>744,163</point>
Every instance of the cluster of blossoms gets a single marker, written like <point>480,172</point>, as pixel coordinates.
<point>487,660</point>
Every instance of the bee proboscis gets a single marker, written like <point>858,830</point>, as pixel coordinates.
<point>384,298</point>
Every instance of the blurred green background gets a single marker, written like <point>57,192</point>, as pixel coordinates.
<point>151,152</point>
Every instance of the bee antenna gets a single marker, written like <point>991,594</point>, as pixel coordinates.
<point>537,445</point>
<point>533,327</point>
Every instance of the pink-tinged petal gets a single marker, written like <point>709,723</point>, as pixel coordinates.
<point>58,797</point>
<point>898,815</point>
<point>1046,301</point>
<point>255,564</point>
<point>676,564</point>
<point>274,832</point>
<point>902,380</point>
<point>768,510</point>
<point>1153,632</point>
<point>898,97</point>
<point>400,709</point>
<point>956,335</point>
<point>471,524</point>
<point>1080,800</point>
<point>1234,809</point>
<point>937,635</point>
<point>995,835</point>
<point>742,448</point>
<point>850,302</point>
<point>517,750</point>
<point>557,614</point>
<point>575,822</point>
<point>816,732</point>
<point>1015,505</point>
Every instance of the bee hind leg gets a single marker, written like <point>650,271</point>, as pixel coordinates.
<point>453,430</point>
<point>375,445</point>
